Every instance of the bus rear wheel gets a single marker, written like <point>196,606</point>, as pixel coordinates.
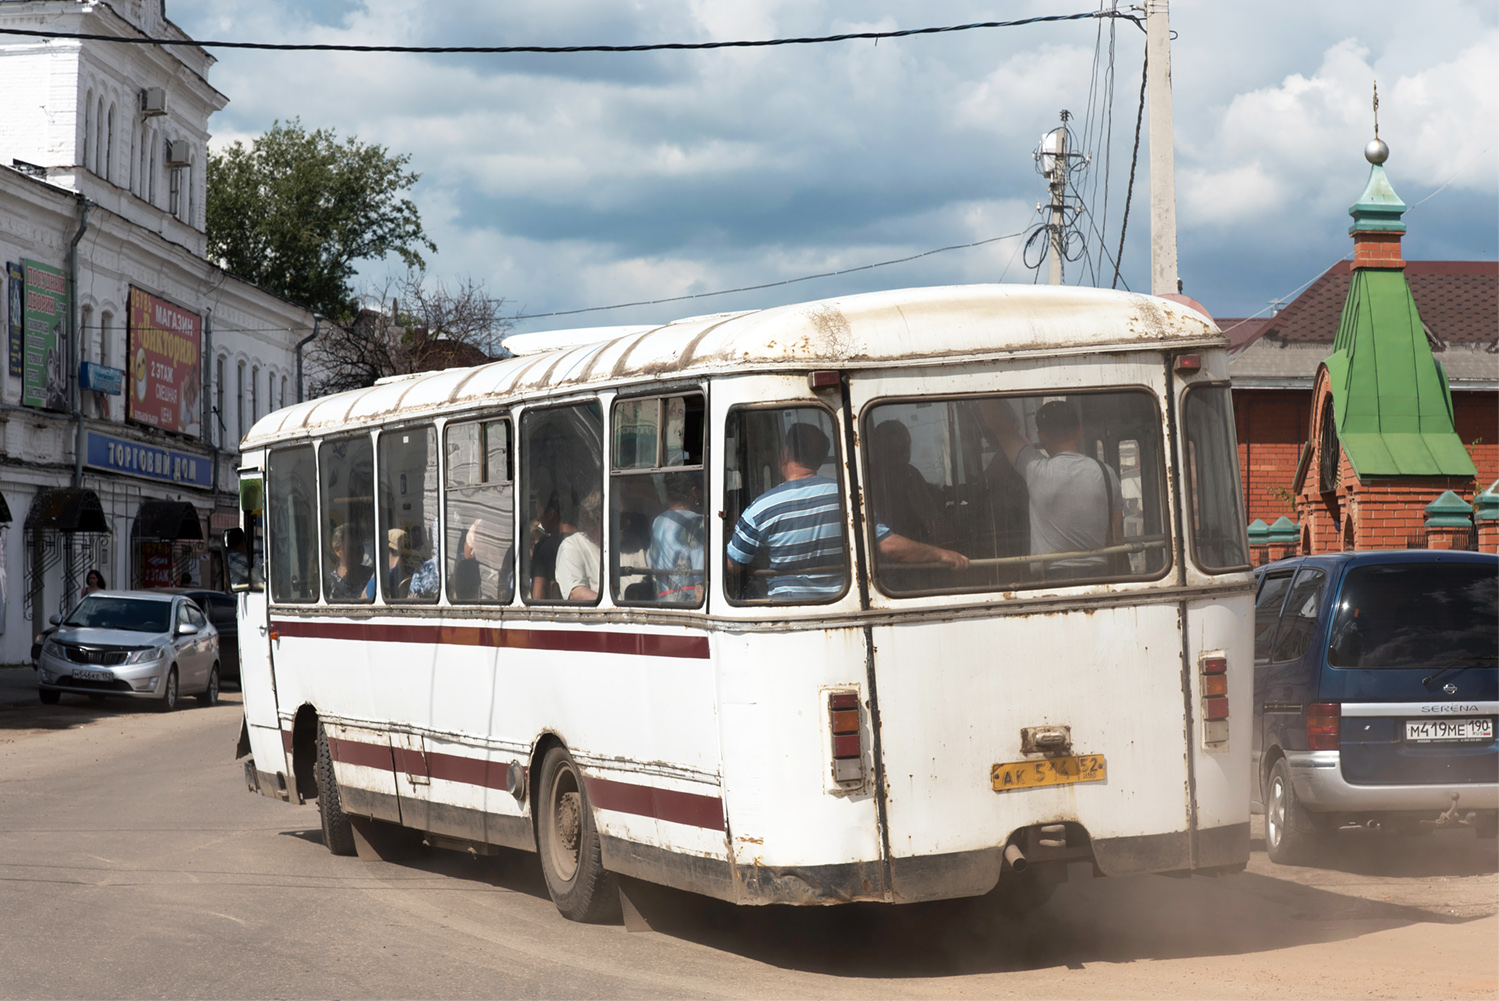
<point>338,833</point>
<point>568,843</point>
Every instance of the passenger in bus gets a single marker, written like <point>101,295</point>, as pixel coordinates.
<point>677,541</point>
<point>901,497</point>
<point>347,577</point>
<point>559,525</point>
<point>1075,501</point>
<point>579,554</point>
<point>424,578</point>
<point>799,523</point>
<point>397,581</point>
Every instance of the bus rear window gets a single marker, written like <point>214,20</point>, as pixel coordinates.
<point>996,493</point>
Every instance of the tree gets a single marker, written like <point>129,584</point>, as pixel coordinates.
<point>426,326</point>
<point>296,209</point>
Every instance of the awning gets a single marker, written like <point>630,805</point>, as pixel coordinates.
<point>161,519</point>
<point>67,509</point>
<point>4,511</point>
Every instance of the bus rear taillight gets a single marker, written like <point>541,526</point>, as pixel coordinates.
<point>1212,683</point>
<point>1324,726</point>
<point>848,740</point>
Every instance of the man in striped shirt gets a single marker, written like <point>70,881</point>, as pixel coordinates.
<point>799,523</point>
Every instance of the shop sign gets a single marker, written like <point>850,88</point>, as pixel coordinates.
<point>101,378</point>
<point>167,465</point>
<point>156,564</point>
<point>44,376</point>
<point>16,317</point>
<point>165,365</point>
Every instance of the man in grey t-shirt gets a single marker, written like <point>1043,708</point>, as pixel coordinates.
<point>1075,503</point>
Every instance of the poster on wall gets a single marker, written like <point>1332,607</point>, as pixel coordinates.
<point>163,380</point>
<point>44,376</point>
<point>156,564</point>
<point>15,319</point>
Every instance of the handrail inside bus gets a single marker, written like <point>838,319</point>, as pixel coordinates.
<point>1138,546</point>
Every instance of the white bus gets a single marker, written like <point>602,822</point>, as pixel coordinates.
<point>895,597</point>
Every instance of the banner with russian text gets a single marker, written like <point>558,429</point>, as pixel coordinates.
<point>165,371</point>
<point>44,369</point>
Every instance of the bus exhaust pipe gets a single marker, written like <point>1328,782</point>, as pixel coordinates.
<point>1015,857</point>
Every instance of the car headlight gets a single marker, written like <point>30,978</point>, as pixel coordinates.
<point>145,656</point>
<point>51,648</point>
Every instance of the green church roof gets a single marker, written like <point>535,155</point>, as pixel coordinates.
<point>1392,406</point>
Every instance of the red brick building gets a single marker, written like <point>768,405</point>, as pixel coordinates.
<point>1453,306</point>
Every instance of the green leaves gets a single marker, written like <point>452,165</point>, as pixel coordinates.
<point>295,210</point>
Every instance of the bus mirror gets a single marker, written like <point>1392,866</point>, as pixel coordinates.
<point>236,559</point>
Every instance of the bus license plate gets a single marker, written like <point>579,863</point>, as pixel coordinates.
<point>1431,731</point>
<point>1012,775</point>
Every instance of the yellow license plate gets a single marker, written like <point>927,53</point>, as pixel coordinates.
<point>1011,775</point>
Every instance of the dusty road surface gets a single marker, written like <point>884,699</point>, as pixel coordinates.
<point>133,864</point>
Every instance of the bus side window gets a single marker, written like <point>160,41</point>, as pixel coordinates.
<point>785,542</point>
<point>408,515</point>
<point>657,531</point>
<point>347,475</point>
<point>562,451</point>
<point>480,514</point>
<point>292,513</point>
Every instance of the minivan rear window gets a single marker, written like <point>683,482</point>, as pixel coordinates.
<point>1416,615</point>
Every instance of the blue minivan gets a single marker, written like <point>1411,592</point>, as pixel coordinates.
<point>1376,687</point>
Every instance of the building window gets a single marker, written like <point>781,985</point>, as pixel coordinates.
<point>218,402</point>
<point>283,390</point>
<point>151,170</point>
<point>174,190</point>
<point>109,146</point>
<point>99,159</point>
<point>88,127</point>
<point>106,343</point>
<point>239,404</point>
<point>255,394</point>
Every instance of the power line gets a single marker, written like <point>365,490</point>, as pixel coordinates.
<point>753,288</point>
<point>561,49</point>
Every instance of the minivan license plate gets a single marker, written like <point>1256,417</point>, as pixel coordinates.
<point>1011,775</point>
<point>1431,731</point>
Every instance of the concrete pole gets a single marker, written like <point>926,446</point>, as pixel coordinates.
<point>1058,203</point>
<point>1163,274</point>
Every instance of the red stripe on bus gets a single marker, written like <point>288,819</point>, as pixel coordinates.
<point>688,808</point>
<point>566,640</point>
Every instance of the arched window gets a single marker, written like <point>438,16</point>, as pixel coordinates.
<point>283,390</point>
<point>152,141</point>
<point>99,160</point>
<point>109,146</point>
<point>218,402</point>
<point>255,394</point>
<point>239,406</point>
<point>88,128</point>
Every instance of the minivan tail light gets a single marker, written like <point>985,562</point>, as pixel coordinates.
<point>847,737</point>
<point>1324,726</point>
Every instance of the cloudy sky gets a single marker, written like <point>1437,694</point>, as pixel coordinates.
<point>571,181</point>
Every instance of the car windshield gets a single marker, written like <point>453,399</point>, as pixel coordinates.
<point>1416,615</point>
<point>140,615</point>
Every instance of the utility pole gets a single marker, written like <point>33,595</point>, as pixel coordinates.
<point>1163,274</point>
<point>1058,179</point>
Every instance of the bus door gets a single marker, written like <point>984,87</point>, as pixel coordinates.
<point>245,561</point>
<point>1017,703</point>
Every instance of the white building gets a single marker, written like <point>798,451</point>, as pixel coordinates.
<point>102,153</point>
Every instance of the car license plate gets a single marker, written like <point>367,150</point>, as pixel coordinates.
<point>81,675</point>
<point>1432,731</point>
<point>1011,775</point>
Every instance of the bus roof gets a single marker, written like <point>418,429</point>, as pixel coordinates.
<point>870,330</point>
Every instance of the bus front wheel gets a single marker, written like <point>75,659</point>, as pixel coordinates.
<point>338,833</point>
<point>568,844</point>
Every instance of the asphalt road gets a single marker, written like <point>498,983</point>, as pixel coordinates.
<point>134,864</point>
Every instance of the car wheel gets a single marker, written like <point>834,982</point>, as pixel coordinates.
<point>49,696</point>
<point>1290,834</point>
<point>338,833</point>
<point>210,695</point>
<point>568,843</point>
<point>168,700</point>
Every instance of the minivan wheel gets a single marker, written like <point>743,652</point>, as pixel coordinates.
<point>210,695</point>
<point>168,700</point>
<point>1290,834</point>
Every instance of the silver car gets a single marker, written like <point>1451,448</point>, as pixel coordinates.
<point>137,644</point>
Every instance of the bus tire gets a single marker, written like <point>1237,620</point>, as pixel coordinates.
<point>338,833</point>
<point>568,843</point>
<point>1290,833</point>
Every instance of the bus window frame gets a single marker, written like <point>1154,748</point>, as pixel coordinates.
<point>317,509</point>
<point>381,528</point>
<point>633,394</point>
<point>507,415</point>
<point>1188,494</point>
<point>840,463</point>
<point>1163,489</point>
<point>371,434</point>
<point>604,401</point>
